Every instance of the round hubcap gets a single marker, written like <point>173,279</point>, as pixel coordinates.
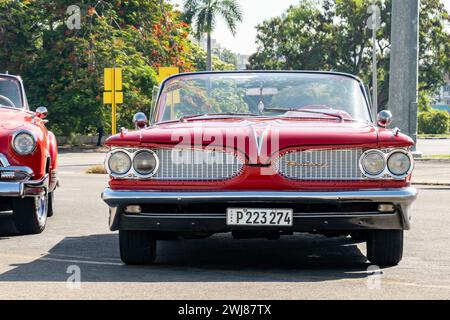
<point>41,209</point>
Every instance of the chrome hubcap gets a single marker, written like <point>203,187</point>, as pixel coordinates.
<point>41,209</point>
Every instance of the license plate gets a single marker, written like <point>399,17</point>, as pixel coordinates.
<point>259,217</point>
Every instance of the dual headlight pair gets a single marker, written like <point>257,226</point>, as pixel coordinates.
<point>23,142</point>
<point>139,163</point>
<point>397,164</point>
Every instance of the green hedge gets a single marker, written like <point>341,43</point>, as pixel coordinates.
<point>434,122</point>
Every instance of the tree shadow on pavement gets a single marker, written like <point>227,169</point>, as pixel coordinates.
<point>298,258</point>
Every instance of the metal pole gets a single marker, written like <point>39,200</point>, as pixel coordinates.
<point>403,79</point>
<point>374,23</point>
<point>375,71</point>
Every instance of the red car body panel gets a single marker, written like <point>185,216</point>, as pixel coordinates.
<point>11,121</point>
<point>292,134</point>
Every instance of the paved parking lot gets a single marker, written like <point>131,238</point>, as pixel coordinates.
<point>301,266</point>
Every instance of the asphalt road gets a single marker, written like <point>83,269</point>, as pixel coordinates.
<point>433,146</point>
<point>77,242</point>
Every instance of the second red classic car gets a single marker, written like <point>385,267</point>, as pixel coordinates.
<point>28,159</point>
<point>260,154</point>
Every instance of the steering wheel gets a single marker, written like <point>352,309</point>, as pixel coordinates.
<point>8,101</point>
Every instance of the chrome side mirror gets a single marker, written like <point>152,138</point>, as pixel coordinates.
<point>41,112</point>
<point>384,118</point>
<point>140,121</point>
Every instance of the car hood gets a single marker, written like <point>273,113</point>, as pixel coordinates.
<point>12,119</point>
<point>263,135</point>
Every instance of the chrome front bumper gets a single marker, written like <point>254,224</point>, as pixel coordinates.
<point>401,198</point>
<point>27,188</point>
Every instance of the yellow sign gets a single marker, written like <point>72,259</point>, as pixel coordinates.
<point>165,72</point>
<point>173,97</point>
<point>113,92</point>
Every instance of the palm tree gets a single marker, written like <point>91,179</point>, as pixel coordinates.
<point>202,14</point>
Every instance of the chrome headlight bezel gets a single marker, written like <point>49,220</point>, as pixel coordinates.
<point>386,172</point>
<point>111,157</point>
<point>155,168</point>
<point>410,159</point>
<point>23,133</point>
<point>363,168</point>
<point>131,173</point>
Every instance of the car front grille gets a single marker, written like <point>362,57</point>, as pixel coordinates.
<point>197,165</point>
<point>321,165</point>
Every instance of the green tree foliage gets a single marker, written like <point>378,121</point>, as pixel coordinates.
<point>63,68</point>
<point>434,122</point>
<point>226,56</point>
<point>332,35</point>
<point>198,59</point>
<point>203,15</point>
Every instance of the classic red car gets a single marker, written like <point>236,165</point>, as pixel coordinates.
<point>260,154</point>
<point>28,159</point>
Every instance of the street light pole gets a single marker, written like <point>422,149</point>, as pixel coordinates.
<point>403,78</point>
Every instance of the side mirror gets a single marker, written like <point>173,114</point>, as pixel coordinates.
<point>384,118</point>
<point>140,121</point>
<point>41,112</point>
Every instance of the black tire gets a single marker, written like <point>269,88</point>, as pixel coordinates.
<point>137,247</point>
<point>50,204</point>
<point>385,247</point>
<point>30,214</point>
<point>359,235</point>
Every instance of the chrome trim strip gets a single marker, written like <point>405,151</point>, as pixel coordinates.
<point>296,215</point>
<point>28,171</point>
<point>3,160</point>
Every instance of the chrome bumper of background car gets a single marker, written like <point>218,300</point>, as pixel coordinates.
<point>167,221</point>
<point>24,188</point>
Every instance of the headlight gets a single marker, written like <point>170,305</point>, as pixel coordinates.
<point>145,162</point>
<point>119,163</point>
<point>24,143</point>
<point>399,163</point>
<point>373,162</point>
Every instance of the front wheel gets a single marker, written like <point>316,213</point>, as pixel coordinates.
<point>385,247</point>
<point>137,247</point>
<point>30,214</point>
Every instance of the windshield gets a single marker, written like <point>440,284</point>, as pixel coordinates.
<point>10,93</point>
<point>293,95</point>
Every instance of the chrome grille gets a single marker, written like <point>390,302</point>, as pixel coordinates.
<point>197,165</point>
<point>327,164</point>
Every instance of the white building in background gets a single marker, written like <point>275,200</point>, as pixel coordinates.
<point>242,61</point>
<point>443,95</point>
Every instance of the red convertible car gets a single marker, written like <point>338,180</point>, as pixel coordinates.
<point>28,159</point>
<point>260,154</point>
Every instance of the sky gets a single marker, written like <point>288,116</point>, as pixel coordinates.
<point>255,12</point>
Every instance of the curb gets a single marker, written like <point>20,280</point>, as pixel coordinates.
<point>439,160</point>
<point>427,183</point>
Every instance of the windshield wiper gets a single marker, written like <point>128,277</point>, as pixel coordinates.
<point>203,115</point>
<point>340,117</point>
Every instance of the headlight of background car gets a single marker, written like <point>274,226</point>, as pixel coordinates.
<point>373,163</point>
<point>145,163</point>
<point>119,163</point>
<point>24,143</point>
<point>399,163</point>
